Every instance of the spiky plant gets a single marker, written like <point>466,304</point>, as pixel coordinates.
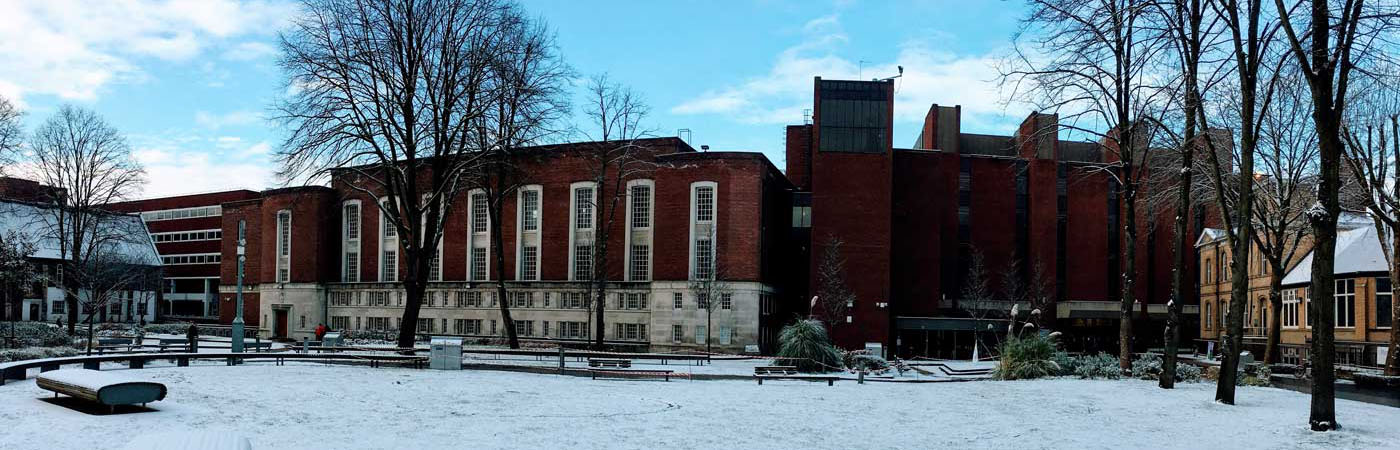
<point>1029,356</point>
<point>806,345</point>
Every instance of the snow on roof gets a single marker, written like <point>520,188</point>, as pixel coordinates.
<point>1358,251</point>
<point>1209,235</point>
<point>35,222</point>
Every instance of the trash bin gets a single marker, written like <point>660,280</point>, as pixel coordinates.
<point>445,353</point>
<point>331,339</point>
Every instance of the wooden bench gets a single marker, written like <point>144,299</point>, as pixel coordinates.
<point>761,373</point>
<point>183,344</point>
<point>609,363</point>
<point>628,373</point>
<point>101,387</point>
<point>124,344</point>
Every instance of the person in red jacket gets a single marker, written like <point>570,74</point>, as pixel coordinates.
<point>320,331</point>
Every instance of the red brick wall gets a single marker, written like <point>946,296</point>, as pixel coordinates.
<point>799,156</point>
<point>922,197</point>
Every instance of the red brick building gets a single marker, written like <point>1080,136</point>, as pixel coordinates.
<point>187,231</point>
<point>1034,207</point>
<point>321,255</point>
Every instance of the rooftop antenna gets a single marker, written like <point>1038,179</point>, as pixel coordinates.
<point>860,69</point>
<point>684,134</point>
<point>807,116</point>
<point>704,148</point>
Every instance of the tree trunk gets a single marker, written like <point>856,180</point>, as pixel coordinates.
<point>415,284</point>
<point>600,284</point>
<point>1271,352</point>
<point>1125,316</point>
<point>70,298</point>
<point>498,246</point>
<point>1390,360</point>
<point>1321,310</point>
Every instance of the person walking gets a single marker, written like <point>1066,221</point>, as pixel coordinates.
<point>192,335</point>
<point>321,331</point>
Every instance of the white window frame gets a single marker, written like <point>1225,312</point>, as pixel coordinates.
<point>644,234</point>
<point>710,225</point>
<point>574,231</point>
<point>283,248</point>
<point>529,237</point>
<point>387,244</point>
<point>351,244</point>
<point>1350,297</point>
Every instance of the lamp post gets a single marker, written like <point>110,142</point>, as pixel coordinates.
<point>238,295</point>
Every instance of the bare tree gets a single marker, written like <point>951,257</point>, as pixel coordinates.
<point>385,96</point>
<point>89,164</point>
<point>16,273</point>
<point>1373,162</point>
<point>11,132</point>
<point>1286,156</point>
<point>617,155</point>
<point>977,299</point>
<point>530,101</point>
<point>833,295</point>
<point>1249,37</point>
<point>1093,60</point>
<point>710,287</point>
<point>1328,45</point>
<point>107,276</point>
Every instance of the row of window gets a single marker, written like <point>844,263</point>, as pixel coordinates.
<point>187,236</point>
<point>1344,314</point>
<point>523,328</point>
<point>182,213</point>
<point>202,258</point>
<point>582,265</point>
<point>530,299</point>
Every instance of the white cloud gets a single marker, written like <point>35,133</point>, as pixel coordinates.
<point>235,118</point>
<point>249,51</point>
<point>181,163</point>
<point>72,48</point>
<point>930,76</point>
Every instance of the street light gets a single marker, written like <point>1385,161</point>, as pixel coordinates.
<point>238,307</point>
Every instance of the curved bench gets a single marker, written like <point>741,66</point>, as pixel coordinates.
<point>18,370</point>
<point>101,387</point>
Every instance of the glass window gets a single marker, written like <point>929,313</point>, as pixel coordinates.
<point>479,213</point>
<point>704,259</point>
<point>1346,303</point>
<point>704,204</point>
<point>1383,302</point>
<point>529,263</point>
<point>641,263</point>
<point>641,206</point>
<point>583,208</point>
<point>583,262</point>
<point>530,207</point>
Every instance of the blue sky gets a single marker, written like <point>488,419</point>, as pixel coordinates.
<point>189,82</point>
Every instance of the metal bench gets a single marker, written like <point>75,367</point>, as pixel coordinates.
<point>629,373</point>
<point>609,363</point>
<point>761,373</point>
<point>101,387</point>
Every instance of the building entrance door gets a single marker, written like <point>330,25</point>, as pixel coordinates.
<point>280,330</point>
<point>34,312</point>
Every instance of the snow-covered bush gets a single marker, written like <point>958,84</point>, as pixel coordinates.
<point>1260,377</point>
<point>806,345</point>
<point>20,354</point>
<point>1027,357</point>
<point>36,334</point>
<point>1188,373</point>
<point>861,360</point>
<point>1148,367</point>
<point>168,328</point>
<point>1066,363</point>
<point>1101,365</point>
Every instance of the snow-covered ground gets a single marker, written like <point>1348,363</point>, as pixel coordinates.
<point>314,406</point>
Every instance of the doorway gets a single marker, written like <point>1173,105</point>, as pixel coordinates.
<point>280,330</point>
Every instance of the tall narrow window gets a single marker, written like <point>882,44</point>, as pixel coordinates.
<point>478,264</point>
<point>284,246</point>
<point>705,204</point>
<point>583,208</point>
<point>530,209</point>
<point>1290,308</point>
<point>1383,300</point>
<point>529,263</point>
<point>583,263</point>
<point>435,266</point>
<point>351,246</point>
<point>480,218</point>
<point>1346,303</point>
<point>704,259</point>
<point>641,206</point>
<point>639,269</point>
<point>388,247</point>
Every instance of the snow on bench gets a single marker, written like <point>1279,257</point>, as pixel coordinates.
<point>789,373</point>
<point>101,387</point>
